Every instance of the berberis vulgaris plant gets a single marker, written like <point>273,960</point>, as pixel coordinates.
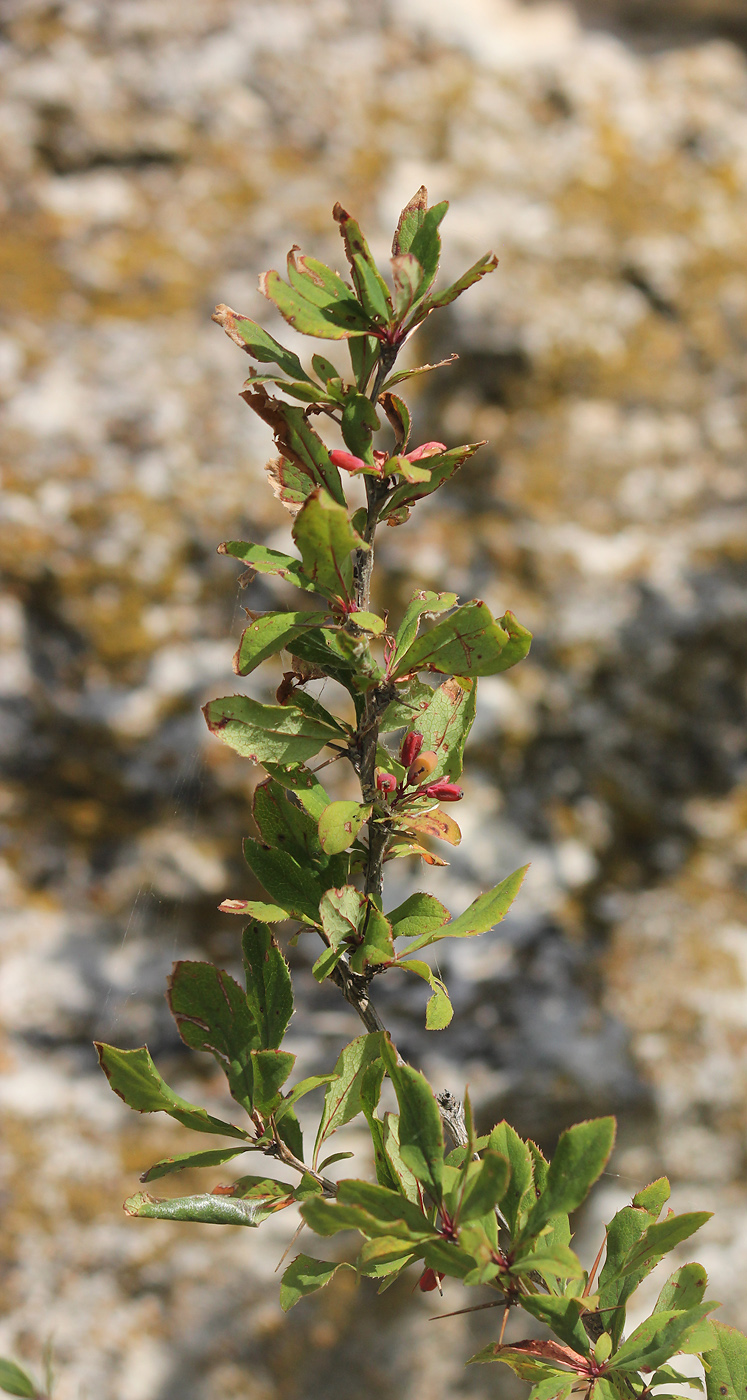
<point>448,1202</point>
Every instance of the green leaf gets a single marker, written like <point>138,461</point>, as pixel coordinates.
<point>134,1077</point>
<point>326,540</point>
<point>487,263</point>
<point>254,909</point>
<point>304,1276</point>
<point>665,1374</point>
<point>364,354</point>
<point>579,1159</point>
<point>15,1381</point>
<point>442,468</point>
<point>262,560</point>
<point>445,725</point>
<point>359,421</point>
<point>659,1239</point>
<point>683,1289</point>
<point>421,1139</point>
<point>268,985</point>
<point>207,1209</point>
<point>426,244</point>
<point>258,342</point>
<point>372,290</point>
<point>376,948</point>
<point>212,1014</point>
<point>557,1387</point>
<point>519,1193</point>
<point>386,1206</point>
<point>404,374</point>
<point>304,785</point>
<point>407,274</point>
<point>439,1010</point>
<point>305,1086</point>
<point>296,889</point>
<point>342,1101</point>
<point>342,655</point>
<point>410,220</point>
<point>469,643</point>
<point>411,699</point>
<point>271,1069</point>
<point>558,1262</point>
<point>445,1257</point>
<point>484,913</point>
<point>340,823</point>
<point>659,1337</point>
<point>486,1185</point>
<point>726,1377</point>
<point>623,1231</point>
<point>278,733</point>
<point>654,1197</point>
<point>338,317</point>
<point>269,634</point>
<point>296,440</point>
<point>563,1315</point>
<point>424,603</point>
<point>285,823</point>
<point>381,1257</point>
<point>213,1157</point>
<point>420,913</point>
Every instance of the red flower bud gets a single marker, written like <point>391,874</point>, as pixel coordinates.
<point>422,767</point>
<point>386,782</point>
<point>429,1280</point>
<point>411,746</point>
<point>445,791</point>
<point>429,449</point>
<point>346,461</point>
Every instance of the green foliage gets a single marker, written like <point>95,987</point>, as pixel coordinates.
<point>491,1212</point>
<point>14,1381</point>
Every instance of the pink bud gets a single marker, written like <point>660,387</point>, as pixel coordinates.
<point>346,461</point>
<point>386,782</point>
<point>429,449</point>
<point>411,746</point>
<point>445,791</point>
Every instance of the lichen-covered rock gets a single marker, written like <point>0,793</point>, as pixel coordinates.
<point>156,156</point>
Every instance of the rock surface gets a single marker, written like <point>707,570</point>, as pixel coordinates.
<point>156,156</point>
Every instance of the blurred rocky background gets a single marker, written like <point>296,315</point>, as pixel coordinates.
<point>156,156</point>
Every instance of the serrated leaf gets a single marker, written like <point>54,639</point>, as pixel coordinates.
<point>487,263</point>
<point>270,1068</point>
<point>519,1193</point>
<point>14,1381</point>
<point>403,374</point>
<point>134,1077</point>
<point>211,1013</point>
<point>285,824</point>
<point>258,342</point>
<point>269,634</point>
<point>468,643</point>
<point>274,733</point>
<point>213,1157</point>
<point>343,1101</point>
<point>339,316</point>
<point>206,1209</point>
<point>254,909</point>
<point>623,1231</point>
<point>484,913</point>
<point>410,220</point>
<point>304,785</point>
<point>659,1337</point>
<point>297,889</point>
<point>407,274</point>
<point>660,1238</point>
<point>442,467</point>
<point>340,823</point>
<point>683,1289</point>
<point>268,561</point>
<point>296,440</point>
<point>653,1197</point>
<point>426,244</point>
<point>404,1178</point>
<point>386,1206</point>
<point>269,993</point>
<point>579,1159</point>
<point>372,290</point>
<point>326,541</point>
<point>558,1262</point>
<point>726,1377</point>
<point>304,1276</point>
<point>380,1257</point>
<point>421,1139</point>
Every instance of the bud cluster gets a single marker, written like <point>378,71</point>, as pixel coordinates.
<point>419,763</point>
